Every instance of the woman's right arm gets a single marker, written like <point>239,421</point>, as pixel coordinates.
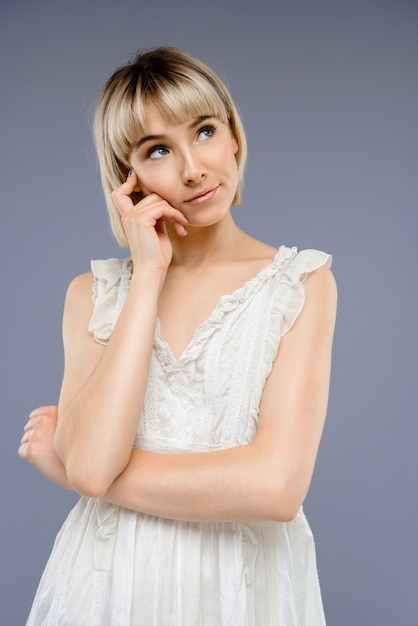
<point>101,397</point>
<point>103,387</point>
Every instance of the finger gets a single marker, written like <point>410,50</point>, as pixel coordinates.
<point>178,222</point>
<point>121,195</point>
<point>157,208</point>
<point>180,229</point>
<point>23,452</point>
<point>160,226</point>
<point>42,410</point>
<point>26,436</point>
<point>30,425</point>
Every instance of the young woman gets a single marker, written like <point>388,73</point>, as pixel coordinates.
<point>195,385</point>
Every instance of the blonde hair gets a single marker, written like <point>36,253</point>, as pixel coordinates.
<point>181,87</point>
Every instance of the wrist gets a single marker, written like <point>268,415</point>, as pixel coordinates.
<point>148,281</point>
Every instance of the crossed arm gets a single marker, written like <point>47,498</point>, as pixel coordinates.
<point>264,480</point>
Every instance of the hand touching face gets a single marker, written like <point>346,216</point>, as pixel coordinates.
<point>145,225</point>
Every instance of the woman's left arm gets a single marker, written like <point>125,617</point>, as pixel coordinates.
<point>267,479</point>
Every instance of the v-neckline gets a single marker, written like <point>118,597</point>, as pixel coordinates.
<point>226,302</point>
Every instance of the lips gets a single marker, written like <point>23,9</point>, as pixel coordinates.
<point>203,195</point>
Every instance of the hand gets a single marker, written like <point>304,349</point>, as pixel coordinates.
<point>37,445</point>
<point>145,225</point>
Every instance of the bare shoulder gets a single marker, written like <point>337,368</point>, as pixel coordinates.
<point>80,293</point>
<point>81,350</point>
<point>81,286</point>
<point>317,317</point>
<point>79,305</point>
<point>321,284</point>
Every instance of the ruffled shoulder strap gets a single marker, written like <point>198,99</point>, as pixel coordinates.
<point>287,300</point>
<point>290,292</point>
<point>110,287</point>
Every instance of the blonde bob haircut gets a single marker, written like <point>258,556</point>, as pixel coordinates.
<point>182,88</point>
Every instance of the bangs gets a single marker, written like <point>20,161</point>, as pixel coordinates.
<point>181,102</point>
<point>177,101</point>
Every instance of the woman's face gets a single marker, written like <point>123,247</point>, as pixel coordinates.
<point>191,165</point>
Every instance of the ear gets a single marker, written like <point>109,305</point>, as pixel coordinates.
<point>235,145</point>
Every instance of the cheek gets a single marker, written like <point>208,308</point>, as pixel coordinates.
<point>159,182</point>
<point>229,157</point>
<point>146,180</point>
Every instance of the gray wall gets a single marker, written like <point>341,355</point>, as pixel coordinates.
<point>328,92</point>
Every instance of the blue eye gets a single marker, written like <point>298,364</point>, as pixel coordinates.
<point>206,132</point>
<point>157,152</point>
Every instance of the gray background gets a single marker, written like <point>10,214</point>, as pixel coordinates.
<point>328,94</point>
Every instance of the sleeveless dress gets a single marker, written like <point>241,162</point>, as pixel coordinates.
<point>112,566</point>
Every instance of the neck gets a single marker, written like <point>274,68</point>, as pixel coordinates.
<point>221,240</point>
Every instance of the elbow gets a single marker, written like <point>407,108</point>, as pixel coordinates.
<point>88,481</point>
<point>285,510</point>
<point>87,475</point>
<point>90,488</point>
<point>285,501</point>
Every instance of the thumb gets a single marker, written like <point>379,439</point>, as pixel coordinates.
<point>121,195</point>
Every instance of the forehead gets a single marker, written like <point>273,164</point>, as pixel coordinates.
<point>156,122</point>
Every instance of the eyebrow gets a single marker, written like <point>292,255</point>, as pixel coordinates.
<point>193,124</point>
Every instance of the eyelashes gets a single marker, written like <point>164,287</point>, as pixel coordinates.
<point>156,152</point>
<point>210,129</point>
<point>159,151</point>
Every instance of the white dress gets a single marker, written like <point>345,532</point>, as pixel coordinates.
<point>111,566</point>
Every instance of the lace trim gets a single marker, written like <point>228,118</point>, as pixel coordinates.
<point>110,286</point>
<point>226,304</point>
<point>111,283</point>
<point>288,302</point>
<point>112,280</point>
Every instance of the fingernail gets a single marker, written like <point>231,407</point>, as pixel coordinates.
<point>186,232</point>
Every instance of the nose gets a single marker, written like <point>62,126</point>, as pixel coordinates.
<point>193,170</point>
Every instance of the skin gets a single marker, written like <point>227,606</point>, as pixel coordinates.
<point>180,275</point>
